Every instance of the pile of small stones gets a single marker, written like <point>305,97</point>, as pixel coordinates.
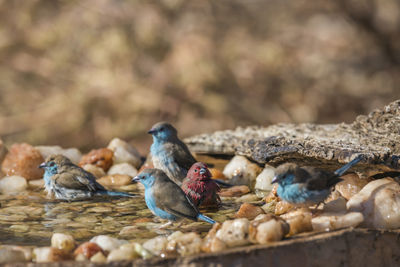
<point>261,219</point>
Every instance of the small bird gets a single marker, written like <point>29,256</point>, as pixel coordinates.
<point>307,185</point>
<point>70,182</point>
<point>199,187</point>
<point>166,199</point>
<point>172,155</point>
<point>169,153</point>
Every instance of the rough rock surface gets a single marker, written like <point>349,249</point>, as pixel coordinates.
<point>374,248</point>
<point>376,136</point>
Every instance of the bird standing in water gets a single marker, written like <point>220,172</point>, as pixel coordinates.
<point>70,182</point>
<point>166,199</point>
<point>307,185</point>
<point>199,186</point>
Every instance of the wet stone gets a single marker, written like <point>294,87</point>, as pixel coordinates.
<point>124,169</point>
<point>108,243</point>
<point>124,152</point>
<point>379,203</point>
<point>267,228</point>
<point>36,184</point>
<point>49,254</point>
<point>241,171</point>
<point>115,180</point>
<point>63,241</point>
<point>23,160</point>
<point>249,211</point>
<point>8,255</point>
<point>98,258</point>
<point>102,158</point>
<point>234,191</point>
<point>234,232</point>
<point>13,184</point>
<point>351,185</point>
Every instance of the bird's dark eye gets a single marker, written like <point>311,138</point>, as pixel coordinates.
<point>52,164</point>
<point>195,170</point>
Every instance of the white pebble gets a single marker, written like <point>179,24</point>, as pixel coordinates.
<point>13,184</point>
<point>328,221</point>
<point>379,202</point>
<point>184,244</point>
<point>123,253</point>
<point>63,242</point>
<point>242,171</point>
<point>124,153</point>
<point>47,254</point>
<point>108,243</point>
<point>234,232</point>
<point>156,245</point>
<point>98,257</point>
<point>263,180</point>
<point>299,221</point>
<point>124,169</point>
<point>266,228</point>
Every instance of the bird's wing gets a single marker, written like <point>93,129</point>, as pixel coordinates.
<point>182,155</point>
<point>302,174</point>
<point>320,179</point>
<point>77,179</point>
<point>171,198</point>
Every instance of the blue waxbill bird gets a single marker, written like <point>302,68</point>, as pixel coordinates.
<point>170,154</point>
<point>307,185</point>
<point>166,199</point>
<point>68,181</point>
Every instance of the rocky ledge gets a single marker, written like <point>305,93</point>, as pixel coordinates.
<point>376,136</point>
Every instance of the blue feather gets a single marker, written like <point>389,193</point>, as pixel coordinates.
<point>342,170</point>
<point>205,218</point>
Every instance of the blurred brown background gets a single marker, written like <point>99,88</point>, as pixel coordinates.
<point>77,73</point>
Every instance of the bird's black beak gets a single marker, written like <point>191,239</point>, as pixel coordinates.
<point>275,179</point>
<point>43,165</point>
<point>203,171</point>
<point>151,131</point>
<point>136,179</point>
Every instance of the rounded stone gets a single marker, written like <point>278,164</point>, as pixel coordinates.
<point>23,160</point>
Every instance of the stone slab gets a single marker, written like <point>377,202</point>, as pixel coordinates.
<point>376,136</point>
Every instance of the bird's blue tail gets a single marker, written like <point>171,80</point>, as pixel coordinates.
<point>115,194</point>
<point>342,170</point>
<point>205,218</point>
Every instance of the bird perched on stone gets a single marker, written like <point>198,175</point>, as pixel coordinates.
<point>199,186</point>
<point>166,199</point>
<point>307,185</point>
<point>70,182</point>
<point>170,154</point>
